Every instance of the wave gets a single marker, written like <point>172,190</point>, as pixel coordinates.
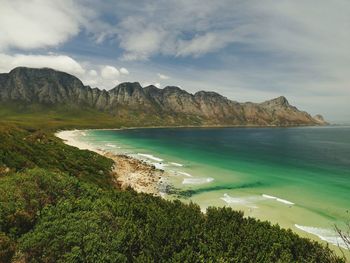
<point>111,145</point>
<point>248,201</point>
<point>278,199</point>
<point>177,164</point>
<point>197,180</point>
<point>324,234</point>
<point>159,166</point>
<point>178,173</point>
<point>150,156</point>
<point>186,174</point>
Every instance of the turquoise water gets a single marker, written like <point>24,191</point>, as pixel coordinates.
<point>297,177</point>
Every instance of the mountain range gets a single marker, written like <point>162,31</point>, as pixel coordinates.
<point>171,106</point>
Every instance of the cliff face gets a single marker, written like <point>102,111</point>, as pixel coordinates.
<point>171,104</point>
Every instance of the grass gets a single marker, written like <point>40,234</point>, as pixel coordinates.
<point>52,118</point>
<point>71,117</point>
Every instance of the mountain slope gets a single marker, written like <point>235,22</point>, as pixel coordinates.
<point>135,105</point>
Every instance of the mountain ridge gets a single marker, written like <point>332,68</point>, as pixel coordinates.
<point>169,106</point>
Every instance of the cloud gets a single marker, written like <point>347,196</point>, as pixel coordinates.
<point>109,72</point>
<point>30,24</point>
<point>58,62</point>
<point>109,76</point>
<point>92,73</point>
<point>162,76</point>
<point>139,40</point>
<point>171,28</point>
<point>156,84</point>
<point>124,71</point>
<point>203,44</point>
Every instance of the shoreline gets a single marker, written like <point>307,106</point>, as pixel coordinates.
<point>199,127</point>
<point>144,177</point>
<point>127,171</point>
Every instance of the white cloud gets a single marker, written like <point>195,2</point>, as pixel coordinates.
<point>30,24</point>
<point>58,62</point>
<point>203,44</point>
<point>190,27</point>
<point>162,76</point>
<point>139,41</point>
<point>92,73</point>
<point>156,84</point>
<point>124,71</point>
<point>109,72</point>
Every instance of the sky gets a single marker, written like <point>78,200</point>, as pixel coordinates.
<point>246,50</point>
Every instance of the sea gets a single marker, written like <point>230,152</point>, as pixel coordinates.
<point>297,177</point>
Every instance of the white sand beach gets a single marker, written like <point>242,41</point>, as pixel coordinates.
<point>127,171</point>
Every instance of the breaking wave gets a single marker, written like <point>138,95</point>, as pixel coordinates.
<point>278,199</point>
<point>150,156</point>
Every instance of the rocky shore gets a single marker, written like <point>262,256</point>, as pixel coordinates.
<point>134,173</point>
<point>127,171</point>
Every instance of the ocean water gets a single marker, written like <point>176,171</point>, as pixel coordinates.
<point>296,177</point>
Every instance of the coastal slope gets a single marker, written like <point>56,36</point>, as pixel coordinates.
<point>133,104</point>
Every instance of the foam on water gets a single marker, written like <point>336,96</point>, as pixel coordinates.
<point>278,199</point>
<point>197,180</point>
<point>150,156</point>
<point>159,166</point>
<point>177,164</point>
<point>247,201</point>
<point>111,145</point>
<point>325,234</point>
<point>185,174</point>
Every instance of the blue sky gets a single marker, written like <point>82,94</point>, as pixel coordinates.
<point>246,50</point>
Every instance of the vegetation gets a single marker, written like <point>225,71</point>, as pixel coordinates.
<point>20,149</point>
<point>57,205</point>
<point>54,117</point>
<point>51,117</point>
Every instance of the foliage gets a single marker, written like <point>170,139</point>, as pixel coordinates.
<point>56,218</point>
<point>20,149</point>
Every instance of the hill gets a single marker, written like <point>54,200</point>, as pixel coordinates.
<point>59,97</point>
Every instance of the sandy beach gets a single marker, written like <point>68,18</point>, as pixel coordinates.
<point>127,171</point>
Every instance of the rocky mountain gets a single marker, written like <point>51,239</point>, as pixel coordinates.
<point>168,106</point>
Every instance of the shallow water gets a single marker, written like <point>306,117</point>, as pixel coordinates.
<point>297,177</point>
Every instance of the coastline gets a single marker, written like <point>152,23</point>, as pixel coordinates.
<point>209,126</point>
<point>144,177</point>
<point>126,171</point>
